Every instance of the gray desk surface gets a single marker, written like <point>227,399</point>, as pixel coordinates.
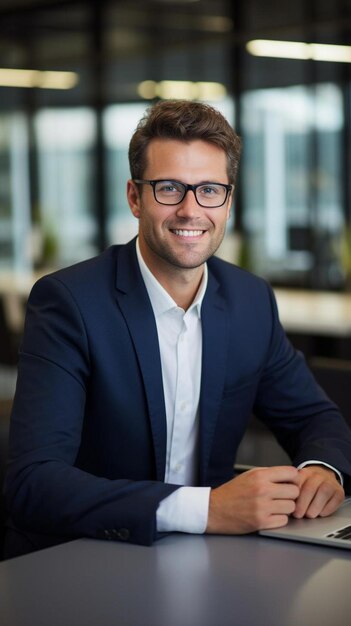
<point>180,581</point>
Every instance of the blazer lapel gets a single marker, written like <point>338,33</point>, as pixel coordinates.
<point>136,308</point>
<point>214,357</point>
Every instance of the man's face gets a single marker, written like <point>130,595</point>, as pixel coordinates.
<point>185,235</point>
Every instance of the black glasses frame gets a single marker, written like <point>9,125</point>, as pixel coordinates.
<point>187,188</point>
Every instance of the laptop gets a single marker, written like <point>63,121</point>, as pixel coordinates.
<point>334,531</point>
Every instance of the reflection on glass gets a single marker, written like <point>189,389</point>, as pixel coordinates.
<point>65,215</point>
<point>292,182</point>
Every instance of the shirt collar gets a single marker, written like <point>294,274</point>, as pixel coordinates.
<point>160,299</point>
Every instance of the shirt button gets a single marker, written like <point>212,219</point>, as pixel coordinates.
<point>183,406</point>
<point>177,468</point>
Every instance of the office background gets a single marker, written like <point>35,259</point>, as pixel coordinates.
<point>75,78</point>
<point>93,67</point>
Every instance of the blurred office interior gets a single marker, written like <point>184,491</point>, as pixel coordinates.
<point>76,76</point>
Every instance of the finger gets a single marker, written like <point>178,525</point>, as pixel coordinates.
<point>275,521</point>
<point>275,508</point>
<point>314,498</point>
<point>326,498</point>
<point>285,491</point>
<point>303,502</point>
<point>310,484</point>
<point>318,503</point>
<point>285,507</point>
<point>332,505</point>
<point>280,474</point>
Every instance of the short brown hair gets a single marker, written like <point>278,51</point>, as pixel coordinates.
<point>183,120</point>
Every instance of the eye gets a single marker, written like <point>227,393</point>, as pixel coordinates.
<point>168,186</point>
<point>210,190</point>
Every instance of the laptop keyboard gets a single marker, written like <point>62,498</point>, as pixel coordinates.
<point>342,533</point>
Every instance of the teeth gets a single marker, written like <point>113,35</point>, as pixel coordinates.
<point>188,233</point>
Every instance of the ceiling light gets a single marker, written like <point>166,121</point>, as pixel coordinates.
<point>181,89</point>
<point>37,78</point>
<point>215,23</point>
<point>299,50</point>
<point>324,52</point>
<point>147,89</point>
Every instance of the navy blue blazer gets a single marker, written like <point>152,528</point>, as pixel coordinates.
<point>88,428</point>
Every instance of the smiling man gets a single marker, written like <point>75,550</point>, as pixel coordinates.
<point>180,228</point>
<point>140,368</point>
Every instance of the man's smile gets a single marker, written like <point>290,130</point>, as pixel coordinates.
<point>181,232</point>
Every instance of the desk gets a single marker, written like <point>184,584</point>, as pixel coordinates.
<point>182,580</point>
<point>14,291</point>
<point>315,312</point>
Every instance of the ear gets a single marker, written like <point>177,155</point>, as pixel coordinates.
<point>133,197</point>
<point>230,202</point>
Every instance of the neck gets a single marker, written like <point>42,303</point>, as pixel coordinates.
<point>182,284</point>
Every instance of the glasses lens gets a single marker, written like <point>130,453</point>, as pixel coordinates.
<point>169,192</point>
<point>211,195</point>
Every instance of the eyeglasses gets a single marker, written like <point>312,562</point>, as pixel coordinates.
<point>209,195</point>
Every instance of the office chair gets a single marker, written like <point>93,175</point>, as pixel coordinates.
<point>9,338</point>
<point>334,376</point>
<point>260,448</point>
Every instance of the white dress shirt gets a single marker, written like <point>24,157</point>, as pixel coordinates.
<point>180,342</point>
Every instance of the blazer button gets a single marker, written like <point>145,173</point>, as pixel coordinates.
<point>122,533</point>
<point>107,535</point>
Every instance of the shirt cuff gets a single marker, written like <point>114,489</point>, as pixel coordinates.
<point>339,475</point>
<point>185,510</point>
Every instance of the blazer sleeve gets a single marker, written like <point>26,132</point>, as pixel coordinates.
<point>45,491</point>
<point>306,422</point>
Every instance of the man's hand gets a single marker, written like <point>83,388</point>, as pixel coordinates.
<point>320,492</point>
<point>260,498</point>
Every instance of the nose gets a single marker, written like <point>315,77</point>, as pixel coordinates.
<point>189,206</point>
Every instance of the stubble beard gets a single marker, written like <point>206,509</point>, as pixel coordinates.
<point>190,259</point>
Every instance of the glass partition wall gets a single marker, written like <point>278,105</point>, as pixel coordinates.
<point>64,218</point>
<point>292,181</point>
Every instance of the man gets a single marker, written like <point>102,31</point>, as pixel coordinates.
<point>139,370</point>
